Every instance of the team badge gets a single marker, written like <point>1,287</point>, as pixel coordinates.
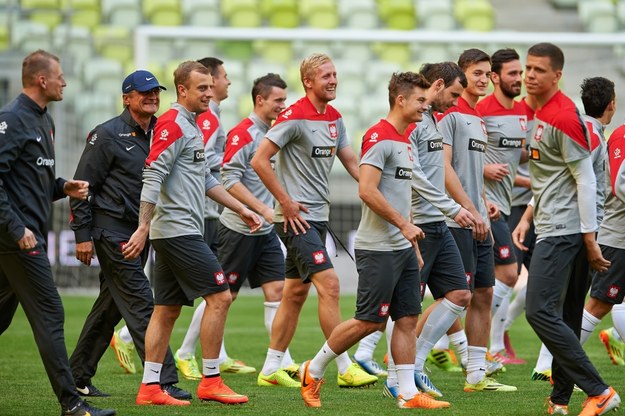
<point>373,138</point>
<point>220,279</point>
<point>613,291</point>
<point>539,133</point>
<point>523,122</point>
<point>319,257</point>
<point>235,140</point>
<point>504,252</point>
<point>3,127</point>
<point>164,134</point>
<point>617,153</point>
<point>287,113</point>
<point>333,131</point>
<point>233,277</point>
<point>206,125</point>
<point>469,277</point>
<point>384,309</point>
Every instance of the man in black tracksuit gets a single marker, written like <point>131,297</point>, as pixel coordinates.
<point>112,163</point>
<point>28,185</point>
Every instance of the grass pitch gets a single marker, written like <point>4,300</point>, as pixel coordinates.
<point>25,389</point>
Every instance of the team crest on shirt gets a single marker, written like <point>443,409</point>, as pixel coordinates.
<point>613,291</point>
<point>3,127</point>
<point>469,277</point>
<point>93,139</point>
<point>220,279</point>
<point>384,308</point>
<point>233,277</point>
<point>617,153</point>
<point>523,123</point>
<point>319,257</point>
<point>206,125</point>
<point>483,127</point>
<point>373,138</point>
<point>333,131</point>
<point>287,113</point>
<point>164,134</point>
<point>410,157</point>
<point>504,252</point>
<point>539,132</point>
<point>235,140</point>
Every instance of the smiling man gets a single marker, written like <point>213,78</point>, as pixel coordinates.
<point>112,163</point>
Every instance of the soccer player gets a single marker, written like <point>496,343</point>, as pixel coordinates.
<point>565,216</point>
<point>506,125</point>
<point>388,269</point>
<point>112,163</point>
<point>464,145</point>
<point>28,185</point>
<point>306,137</point>
<point>442,269</point>
<point>175,180</point>
<point>256,257</point>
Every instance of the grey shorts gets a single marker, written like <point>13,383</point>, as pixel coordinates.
<point>185,269</point>
<point>388,285</point>
<point>306,254</point>
<point>442,269</point>
<point>257,258</point>
<point>503,247</point>
<point>609,286</point>
<point>477,258</point>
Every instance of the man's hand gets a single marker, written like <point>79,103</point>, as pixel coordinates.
<point>76,189</point>
<point>419,257</point>
<point>251,219</point>
<point>519,233</point>
<point>412,233</point>
<point>493,210</point>
<point>290,211</point>
<point>480,229</point>
<point>84,252</point>
<point>464,218</point>
<point>267,214</point>
<point>133,248</point>
<point>496,171</point>
<point>28,240</point>
<point>595,257</point>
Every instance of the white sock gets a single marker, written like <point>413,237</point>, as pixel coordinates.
<point>618,320</point>
<point>223,355</point>
<point>498,321</point>
<point>442,343</point>
<point>343,362</point>
<point>273,361</point>
<point>367,345</point>
<point>124,334</point>
<point>500,292</point>
<point>270,313</point>
<point>476,365</point>
<point>210,366</point>
<point>516,307</point>
<point>187,349</point>
<point>544,359</point>
<point>460,343</point>
<point>152,372</point>
<point>442,316</point>
<point>589,323</point>
<point>391,379</point>
<point>405,377</point>
<point>319,364</point>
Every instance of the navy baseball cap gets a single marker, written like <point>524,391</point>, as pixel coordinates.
<point>141,81</point>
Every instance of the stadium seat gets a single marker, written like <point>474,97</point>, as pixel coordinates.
<point>306,48</point>
<point>114,42</point>
<point>598,15</point>
<point>359,14</point>
<point>197,48</point>
<point>122,12</point>
<point>280,52</point>
<point>280,13</point>
<point>245,105</point>
<point>476,15</point>
<point>357,51</point>
<point>350,76</point>
<point>377,75</point>
<point>29,36</point>
<point>75,40</point>
<point>235,49</point>
<point>5,32</point>
<point>564,4</point>
<point>437,15</point>
<point>433,52</point>
<point>85,13</point>
<point>47,12</point>
<point>162,12</point>
<point>101,74</point>
<point>293,80</point>
<point>398,53</point>
<point>322,14</point>
<point>95,108</point>
<point>620,12</point>
<point>258,68</point>
<point>201,12</point>
<point>398,14</point>
<point>241,13</point>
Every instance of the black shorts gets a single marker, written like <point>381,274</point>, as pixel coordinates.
<point>609,286</point>
<point>185,269</point>
<point>388,284</point>
<point>503,247</point>
<point>306,254</point>
<point>211,227</point>
<point>477,258</point>
<point>442,269</point>
<point>524,258</point>
<point>257,258</point>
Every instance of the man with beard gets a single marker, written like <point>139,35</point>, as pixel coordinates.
<point>506,125</point>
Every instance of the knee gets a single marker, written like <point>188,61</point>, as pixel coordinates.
<point>482,298</point>
<point>296,295</point>
<point>273,291</point>
<point>459,297</point>
<point>328,287</point>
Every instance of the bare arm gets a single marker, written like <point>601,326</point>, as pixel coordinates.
<point>221,196</point>
<point>348,158</point>
<point>133,248</point>
<point>240,192</point>
<point>261,163</point>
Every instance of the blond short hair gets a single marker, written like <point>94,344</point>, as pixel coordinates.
<point>310,64</point>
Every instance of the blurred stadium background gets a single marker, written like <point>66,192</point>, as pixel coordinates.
<point>100,41</point>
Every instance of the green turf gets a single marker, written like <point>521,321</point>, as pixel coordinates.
<point>25,389</point>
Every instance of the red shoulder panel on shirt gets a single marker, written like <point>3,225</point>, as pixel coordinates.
<point>616,153</point>
<point>209,123</point>
<point>561,113</point>
<point>379,132</point>
<point>166,132</point>
<point>595,139</point>
<point>411,127</point>
<point>238,137</point>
